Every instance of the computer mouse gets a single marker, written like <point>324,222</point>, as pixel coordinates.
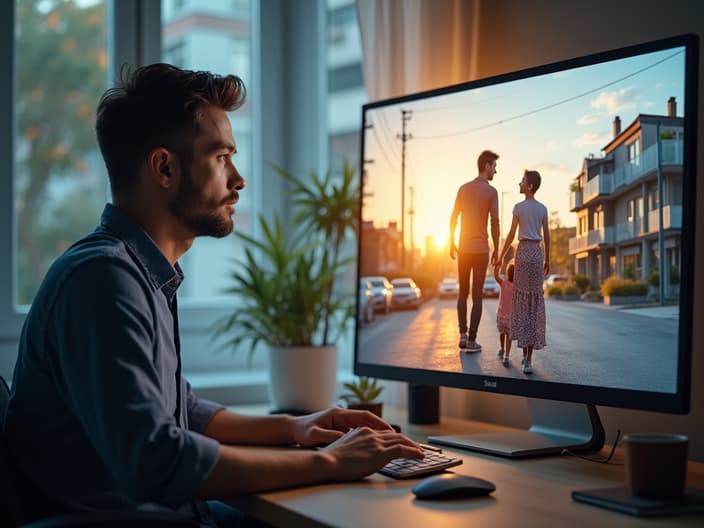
<point>451,486</point>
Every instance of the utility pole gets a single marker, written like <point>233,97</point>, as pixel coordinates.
<point>365,162</point>
<point>411,212</point>
<point>405,116</point>
<point>664,274</point>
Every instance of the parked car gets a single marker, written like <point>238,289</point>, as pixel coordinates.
<point>381,291</point>
<point>552,279</point>
<point>491,287</point>
<point>365,311</point>
<point>405,293</point>
<point>449,288</point>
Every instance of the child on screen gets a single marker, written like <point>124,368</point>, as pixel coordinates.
<point>503,312</point>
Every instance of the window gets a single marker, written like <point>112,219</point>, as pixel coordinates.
<point>346,92</point>
<point>204,34</point>
<point>175,54</point>
<point>597,218</point>
<point>634,151</point>
<point>634,209</point>
<point>214,36</point>
<point>583,224</point>
<point>60,183</point>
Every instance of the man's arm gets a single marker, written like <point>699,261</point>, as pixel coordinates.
<point>495,226</point>
<point>314,429</point>
<point>453,226</point>
<point>358,453</point>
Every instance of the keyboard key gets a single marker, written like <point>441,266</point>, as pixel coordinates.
<point>433,462</point>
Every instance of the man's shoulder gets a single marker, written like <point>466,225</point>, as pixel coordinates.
<point>93,255</point>
<point>98,246</point>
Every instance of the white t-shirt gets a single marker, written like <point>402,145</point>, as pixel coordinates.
<point>531,214</point>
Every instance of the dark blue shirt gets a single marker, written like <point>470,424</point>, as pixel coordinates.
<point>99,415</point>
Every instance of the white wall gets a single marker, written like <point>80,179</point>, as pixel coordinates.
<point>516,34</point>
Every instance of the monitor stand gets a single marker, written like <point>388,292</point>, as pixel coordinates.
<point>556,426</point>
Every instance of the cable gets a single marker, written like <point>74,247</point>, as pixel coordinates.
<point>546,107</point>
<point>603,460</point>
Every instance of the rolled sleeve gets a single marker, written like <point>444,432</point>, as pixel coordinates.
<point>200,412</point>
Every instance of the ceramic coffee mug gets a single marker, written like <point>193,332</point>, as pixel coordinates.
<point>656,464</point>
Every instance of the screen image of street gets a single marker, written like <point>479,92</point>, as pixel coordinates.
<point>614,356</point>
<point>607,141</point>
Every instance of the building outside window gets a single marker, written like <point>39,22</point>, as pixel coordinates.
<point>214,36</point>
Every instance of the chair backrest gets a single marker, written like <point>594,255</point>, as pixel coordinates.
<point>4,400</point>
<point>9,499</point>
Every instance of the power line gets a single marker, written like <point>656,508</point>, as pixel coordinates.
<point>458,105</point>
<point>388,134</point>
<point>551,105</point>
<point>392,166</point>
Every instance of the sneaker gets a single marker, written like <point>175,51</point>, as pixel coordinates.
<point>527,369</point>
<point>504,361</point>
<point>500,352</point>
<point>463,341</point>
<point>473,346</point>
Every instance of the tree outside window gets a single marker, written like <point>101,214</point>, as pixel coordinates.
<point>60,183</point>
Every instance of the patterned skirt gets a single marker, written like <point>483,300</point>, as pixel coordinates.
<point>528,304</point>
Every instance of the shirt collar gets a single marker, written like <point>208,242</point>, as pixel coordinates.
<point>162,273</point>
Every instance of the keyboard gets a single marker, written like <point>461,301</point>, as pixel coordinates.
<point>433,462</point>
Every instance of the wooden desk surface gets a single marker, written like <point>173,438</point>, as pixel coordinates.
<point>529,493</point>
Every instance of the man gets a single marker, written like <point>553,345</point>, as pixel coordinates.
<point>475,201</point>
<point>100,417</point>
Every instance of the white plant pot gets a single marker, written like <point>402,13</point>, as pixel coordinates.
<point>302,379</point>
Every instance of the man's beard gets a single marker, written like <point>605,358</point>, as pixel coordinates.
<point>200,216</point>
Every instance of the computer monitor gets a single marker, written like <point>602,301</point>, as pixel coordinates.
<point>613,135</point>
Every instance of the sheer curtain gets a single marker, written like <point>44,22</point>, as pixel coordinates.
<point>410,46</point>
<point>414,45</point>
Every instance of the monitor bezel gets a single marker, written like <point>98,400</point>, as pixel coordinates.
<point>678,402</point>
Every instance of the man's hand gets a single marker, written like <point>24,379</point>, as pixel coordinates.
<point>453,250</point>
<point>363,451</point>
<point>329,425</point>
<point>495,258</point>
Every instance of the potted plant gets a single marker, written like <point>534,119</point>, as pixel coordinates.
<point>363,394</point>
<point>288,285</point>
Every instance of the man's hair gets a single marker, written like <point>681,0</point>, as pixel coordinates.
<point>485,157</point>
<point>157,105</point>
<point>533,179</point>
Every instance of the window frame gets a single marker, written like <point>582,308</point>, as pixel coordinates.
<point>295,131</point>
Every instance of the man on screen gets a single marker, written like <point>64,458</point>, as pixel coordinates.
<point>476,200</point>
<point>100,417</point>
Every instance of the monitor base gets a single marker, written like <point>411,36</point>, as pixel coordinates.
<point>556,426</point>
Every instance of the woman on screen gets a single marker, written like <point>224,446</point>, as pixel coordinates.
<point>531,265</point>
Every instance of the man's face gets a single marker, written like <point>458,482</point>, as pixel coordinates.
<point>490,170</point>
<point>208,184</point>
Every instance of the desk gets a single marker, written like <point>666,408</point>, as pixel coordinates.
<point>529,493</point>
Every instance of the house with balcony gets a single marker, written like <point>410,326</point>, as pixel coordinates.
<point>629,198</point>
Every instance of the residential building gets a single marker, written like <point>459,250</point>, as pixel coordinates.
<point>618,200</point>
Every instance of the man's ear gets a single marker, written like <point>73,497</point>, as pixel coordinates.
<point>160,164</point>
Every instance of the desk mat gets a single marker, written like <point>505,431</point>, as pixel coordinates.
<point>621,500</point>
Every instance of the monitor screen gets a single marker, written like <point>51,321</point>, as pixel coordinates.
<point>613,137</point>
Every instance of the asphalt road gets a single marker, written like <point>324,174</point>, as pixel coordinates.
<point>587,344</point>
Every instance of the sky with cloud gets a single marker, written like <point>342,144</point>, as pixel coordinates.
<point>549,123</point>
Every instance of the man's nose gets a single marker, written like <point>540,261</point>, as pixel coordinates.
<point>236,180</point>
